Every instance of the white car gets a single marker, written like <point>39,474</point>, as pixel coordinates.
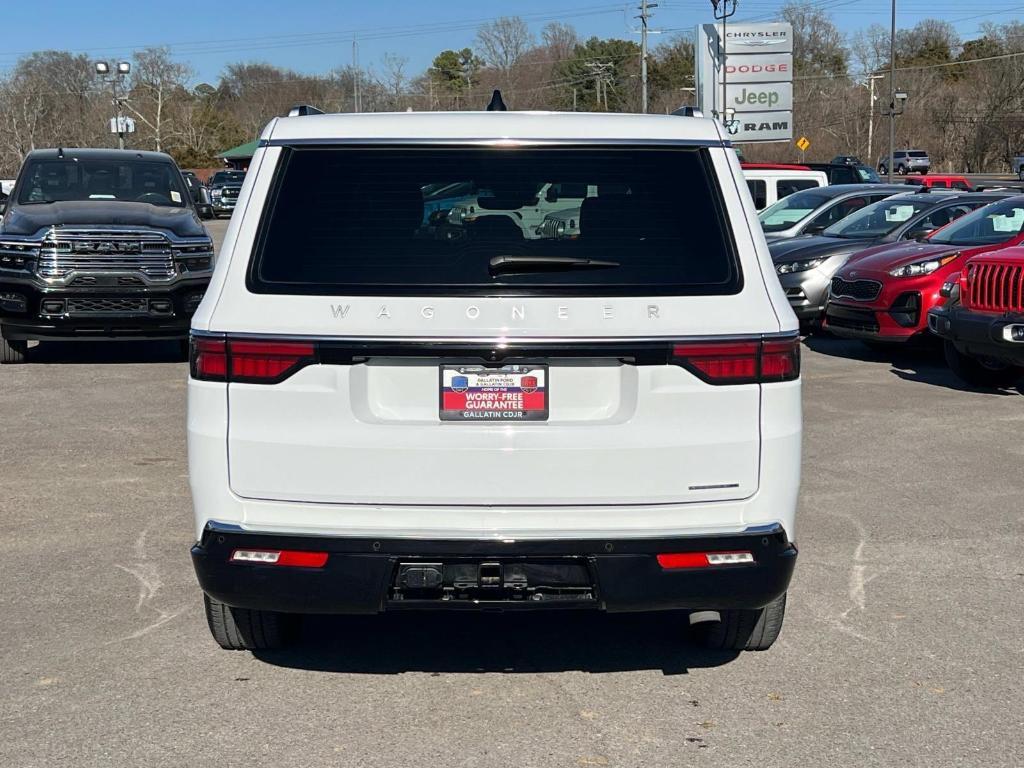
<point>379,421</point>
<point>770,183</point>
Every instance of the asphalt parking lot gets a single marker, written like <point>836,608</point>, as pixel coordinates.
<point>902,645</point>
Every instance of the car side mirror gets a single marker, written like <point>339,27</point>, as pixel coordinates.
<point>552,195</point>
<point>814,229</point>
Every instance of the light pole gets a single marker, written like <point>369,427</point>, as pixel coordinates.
<point>121,70</point>
<point>899,98</point>
<point>723,10</point>
<point>892,92</point>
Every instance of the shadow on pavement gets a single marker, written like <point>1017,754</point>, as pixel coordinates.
<point>105,352</point>
<point>555,641</point>
<point>921,362</point>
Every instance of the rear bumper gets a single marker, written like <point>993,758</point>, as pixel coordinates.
<point>978,334</point>
<point>624,575</point>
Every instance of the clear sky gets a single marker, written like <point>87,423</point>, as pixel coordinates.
<point>313,36</point>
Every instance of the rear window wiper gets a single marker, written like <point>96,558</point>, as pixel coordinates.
<point>501,264</point>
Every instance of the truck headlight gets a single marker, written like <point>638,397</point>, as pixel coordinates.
<point>560,229</point>
<point>925,267</point>
<point>797,266</point>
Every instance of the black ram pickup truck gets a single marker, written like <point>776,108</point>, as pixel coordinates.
<point>99,244</point>
<point>225,186</point>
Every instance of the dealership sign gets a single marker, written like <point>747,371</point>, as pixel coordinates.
<point>758,61</point>
<point>744,97</point>
<point>763,126</point>
<point>759,68</point>
<point>758,38</point>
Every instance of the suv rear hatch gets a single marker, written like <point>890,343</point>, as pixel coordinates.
<point>521,414</point>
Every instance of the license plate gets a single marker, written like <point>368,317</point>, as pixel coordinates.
<point>509,393</point>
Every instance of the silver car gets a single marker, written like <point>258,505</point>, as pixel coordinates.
<point>811,211</point>
<point>906,161</point>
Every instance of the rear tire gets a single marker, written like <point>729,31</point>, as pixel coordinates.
<point>242,629</point>
<point>13,352</point>
<point>745,630</point>
<point>984,375</point>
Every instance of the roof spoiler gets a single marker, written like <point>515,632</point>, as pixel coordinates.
<point>301,110</point>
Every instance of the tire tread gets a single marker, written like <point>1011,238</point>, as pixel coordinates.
<point>746,630</point>
<point>242,629</point>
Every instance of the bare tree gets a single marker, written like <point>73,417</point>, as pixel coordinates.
<point>157,81</point>
<point>394,80</point>
<point>503,43</point>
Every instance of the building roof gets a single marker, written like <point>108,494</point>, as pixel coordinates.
<point>241,152</point>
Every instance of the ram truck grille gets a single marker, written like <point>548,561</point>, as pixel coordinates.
<point>64,252</point>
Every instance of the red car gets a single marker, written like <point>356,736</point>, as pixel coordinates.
<point>885,293</point>
<point>940,181</point>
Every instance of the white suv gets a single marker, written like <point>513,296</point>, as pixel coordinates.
<point>380,420</point>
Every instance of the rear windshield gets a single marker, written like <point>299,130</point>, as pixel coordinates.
<point>917,153</point>
<point>127,180</point>
<point>494,221</point>
<point>868,174</point>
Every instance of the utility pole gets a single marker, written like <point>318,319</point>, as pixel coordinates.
<point>601,72</point>
<point>871,113</point>
<point>356,101</point>
<point>645,14</point>
<point>723,11</point>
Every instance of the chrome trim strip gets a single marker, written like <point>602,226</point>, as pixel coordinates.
<point>491,142</point>
<point>498,340</point>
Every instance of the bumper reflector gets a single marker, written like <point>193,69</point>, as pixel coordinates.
<point>289,557</point>
<point>703,559</point>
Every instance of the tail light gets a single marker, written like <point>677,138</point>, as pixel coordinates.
<point>251,361</point>
<point>287,557</point>
<point>741,362</point>
<point>678,560</point>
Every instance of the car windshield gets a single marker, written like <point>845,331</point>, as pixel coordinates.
<point>791,210</point>
<point>879,219</point>
<point>625,223</point>
<point>995,223</point>
<point>229,177</point>
<point>123,180</point>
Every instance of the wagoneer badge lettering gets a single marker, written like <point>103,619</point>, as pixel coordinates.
<point>473,312</point>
